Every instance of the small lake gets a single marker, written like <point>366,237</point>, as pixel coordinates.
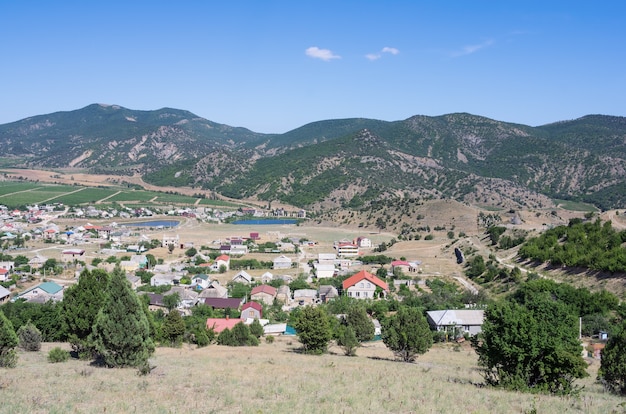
<point>269,221</point>
<point>153,223</point>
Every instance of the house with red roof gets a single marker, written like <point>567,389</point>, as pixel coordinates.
<point>220,324</point>
<point>263,293</point>
<point>363,285</point>
<point>251,310</point>
<point>221,260</point>
<point>404,266</point>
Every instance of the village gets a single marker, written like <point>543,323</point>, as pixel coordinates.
<point>190,253</point>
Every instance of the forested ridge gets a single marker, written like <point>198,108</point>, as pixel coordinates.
<point>595,245</point>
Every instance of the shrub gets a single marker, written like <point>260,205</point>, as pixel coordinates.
<point>269,339</point>
<point>58,355</point>
<point>29,337</point>
<point>8,342</point>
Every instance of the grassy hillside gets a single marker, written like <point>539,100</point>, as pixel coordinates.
<point>275,378</point>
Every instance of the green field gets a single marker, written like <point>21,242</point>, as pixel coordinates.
<point>85,195</point>
<point>133,195</point>
<point>16,193</point>
<point>218,203</point>
<point>575,205</point>
<point>7,187</point>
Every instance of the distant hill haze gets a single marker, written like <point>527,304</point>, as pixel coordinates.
<point>333,163</point>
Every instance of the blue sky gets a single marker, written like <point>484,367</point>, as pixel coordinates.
<point>272,66</point>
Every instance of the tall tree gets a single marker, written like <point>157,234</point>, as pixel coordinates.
<point>613,364</point>
<point>81,304</point>
<point>173,328</point>
<point>361,324</point>
<point>8,342</point>
<point>121,332</point>
<point>314,331</point>
<point>531,347</point>
<point>407,334</point>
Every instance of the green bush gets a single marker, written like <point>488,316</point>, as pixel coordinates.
<point>269,339</point>
<point>29,337</point>
<point>58,355</point>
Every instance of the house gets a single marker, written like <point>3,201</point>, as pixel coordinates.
<point>238,249</point>
<point>304,296</point>
<point>404,266</point>
<point>141,260</point>
<point>266,278</point>
<point>9,266</point>
<point>169,240</point>
<point>323,271</point>
<point>129,266</point>
<point>363,242</point>
<point>4,275</point>
<point>220,324</point>
<point>326,258</point>
<point>283,294</point>
<point>467,320</point>
<point>275,329</point>
<point>221,260</point>
<point>224,303</point>
<point>263,293</point>
<point>135,248</point>
<point>242,277</point>
<point>5,294</point>
<point>363,285</point>
<point>155,301</point>
<point>43,292</point>
<point>214,290</point>
<point>282,262</point>
<point>347,249</point>
<point>162,279</point>
<point>37,262</point>
<point>135,281</point>
<point>327,292</point>
<point>225,249</point>
<point>187,297</point>
<point>251,310</point>
<point>200,281</point>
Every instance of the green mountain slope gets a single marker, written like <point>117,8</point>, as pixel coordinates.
<point>337,162</point>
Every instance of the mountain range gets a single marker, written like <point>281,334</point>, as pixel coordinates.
<point>337,163</point>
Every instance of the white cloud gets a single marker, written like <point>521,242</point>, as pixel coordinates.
<point>391,50</point>
<point>376,56</point>
<point>468,50</point>
<point>323,54</point>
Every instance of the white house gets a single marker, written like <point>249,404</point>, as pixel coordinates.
<point>161,279</point>
<point>242,277</point>
<point>282,262</point>
<point>468,320</point>
<point>323,271</point>
<point>200,280</point>
<point>347,249</point>
<point>222,260</point>
<point>364,242</point>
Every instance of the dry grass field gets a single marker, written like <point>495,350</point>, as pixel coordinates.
<point>275,378</point>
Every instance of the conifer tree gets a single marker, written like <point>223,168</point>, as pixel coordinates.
<point>81,304</point>
<point>173,328</point>
<point>8,342</point>
<point>121,332</point>
<point>407,334</point>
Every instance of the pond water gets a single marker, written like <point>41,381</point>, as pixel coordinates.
<point>269,221</point>
<point>153,223</point>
